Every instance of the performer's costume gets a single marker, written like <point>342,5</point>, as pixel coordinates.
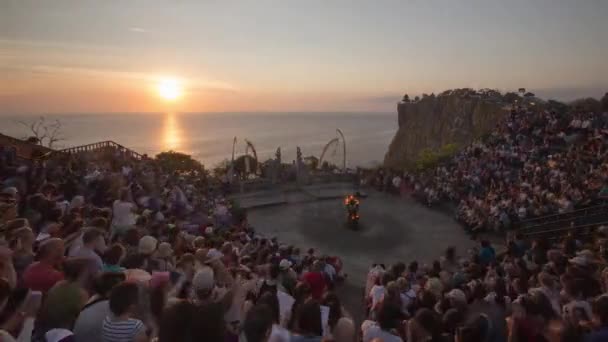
<point>352,208</point>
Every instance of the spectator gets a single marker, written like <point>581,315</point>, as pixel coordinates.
<point>120,325</point>
<point>43,274</point>
<point>309,324</point>
<point>88,326</point>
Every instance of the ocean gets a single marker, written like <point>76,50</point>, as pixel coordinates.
<point>208,137</point>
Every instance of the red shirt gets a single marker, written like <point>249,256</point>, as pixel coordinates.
<point>41,276</point>
<point>316,282</point>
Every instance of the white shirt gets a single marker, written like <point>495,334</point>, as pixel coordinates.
<point>376,294</point>
<point>123,214</point>
<point>371,330</point>
<point>330,271</point>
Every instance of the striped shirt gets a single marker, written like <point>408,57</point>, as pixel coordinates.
<point>120,330</point>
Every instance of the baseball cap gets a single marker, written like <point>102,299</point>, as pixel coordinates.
<point>285,264</point>
<point>147,245</point>
<point>203,279</point>
<point>457,295</point>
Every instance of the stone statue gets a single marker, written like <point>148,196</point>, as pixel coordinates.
<point>299,155</point>
<point>278,155</point>
<point>301,172</point>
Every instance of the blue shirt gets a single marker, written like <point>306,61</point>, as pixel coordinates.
<point>598,336</point>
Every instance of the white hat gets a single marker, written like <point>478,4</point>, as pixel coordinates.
<point>165,250</point>
<point>285,264</point>
<point>578,260</point>
<point>587,254</point>
<point>147,245</point>
<point>77,202</point>
<point>214,254</point>
<point>203,279</point>
<point>457,295</point>
<point>11,190</point>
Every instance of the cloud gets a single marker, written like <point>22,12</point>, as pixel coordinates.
<point>138,29</point>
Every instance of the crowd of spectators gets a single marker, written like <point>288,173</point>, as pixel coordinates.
<point>531,292</point>
<point>534,163</point>
<point>113,249</point>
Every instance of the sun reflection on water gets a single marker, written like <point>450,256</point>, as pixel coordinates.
<point>171,133</point>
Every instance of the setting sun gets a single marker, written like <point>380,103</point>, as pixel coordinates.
<point>169,89</point>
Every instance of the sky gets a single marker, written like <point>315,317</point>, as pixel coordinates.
<point>80,56</point>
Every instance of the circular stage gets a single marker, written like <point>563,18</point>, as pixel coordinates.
<point>391,229</point>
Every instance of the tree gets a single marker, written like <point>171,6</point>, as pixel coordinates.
<point>43,132</point>
<point>604,102</point>
<point>556,106</point>
<point>529,94</point>
<point>221,168</point>
<point>406,98</point>
<point>428,158</point>
<point>177,162</point>
<point>511,97</point>
<point>417,98</point>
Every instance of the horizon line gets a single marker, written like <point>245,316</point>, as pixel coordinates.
<point>201,112</point>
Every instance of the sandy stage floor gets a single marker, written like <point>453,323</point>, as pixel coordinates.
<point>391,229</point>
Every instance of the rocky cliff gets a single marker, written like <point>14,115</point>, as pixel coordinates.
<point>455,116</point>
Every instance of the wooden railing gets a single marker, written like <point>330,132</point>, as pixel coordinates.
<point>24,149</point>
<point>538,221</point>
<point>558,232</point>
<point>585,217</point>
<point>101,146</point>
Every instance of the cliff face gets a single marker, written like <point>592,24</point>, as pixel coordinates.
<point>435,121</point>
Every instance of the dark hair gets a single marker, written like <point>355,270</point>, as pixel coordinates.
<point>210,324</point>
<point>500,288</point>
<point>429,321</point>
<point>537,304</point>
<point>5,290</point>
<point>113,254</point>
<point>258,323</point>
<point>476,330</point>
<point>451,320</point>
<point>90,235</point>
<point>99,222</point>
<point>389,316</point>
<point>186,258</point>
<point>301,292</point>
<point>54,214</point>
<point>74,268</point>
<point>427,300</point>
<point>450,253</point>
<point>134,261</point>
<point>131,237</point>
<point>104,283</point>
<point>309,318</point>
<point>177,322</point>
<point>398,269</point>
<point>158,299</point>
<point>332,301</point>
<point>270,300</point>
<point>600,308</point>
<point>274,270</point>
<point>123,296</point>
<point>386,278</point>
